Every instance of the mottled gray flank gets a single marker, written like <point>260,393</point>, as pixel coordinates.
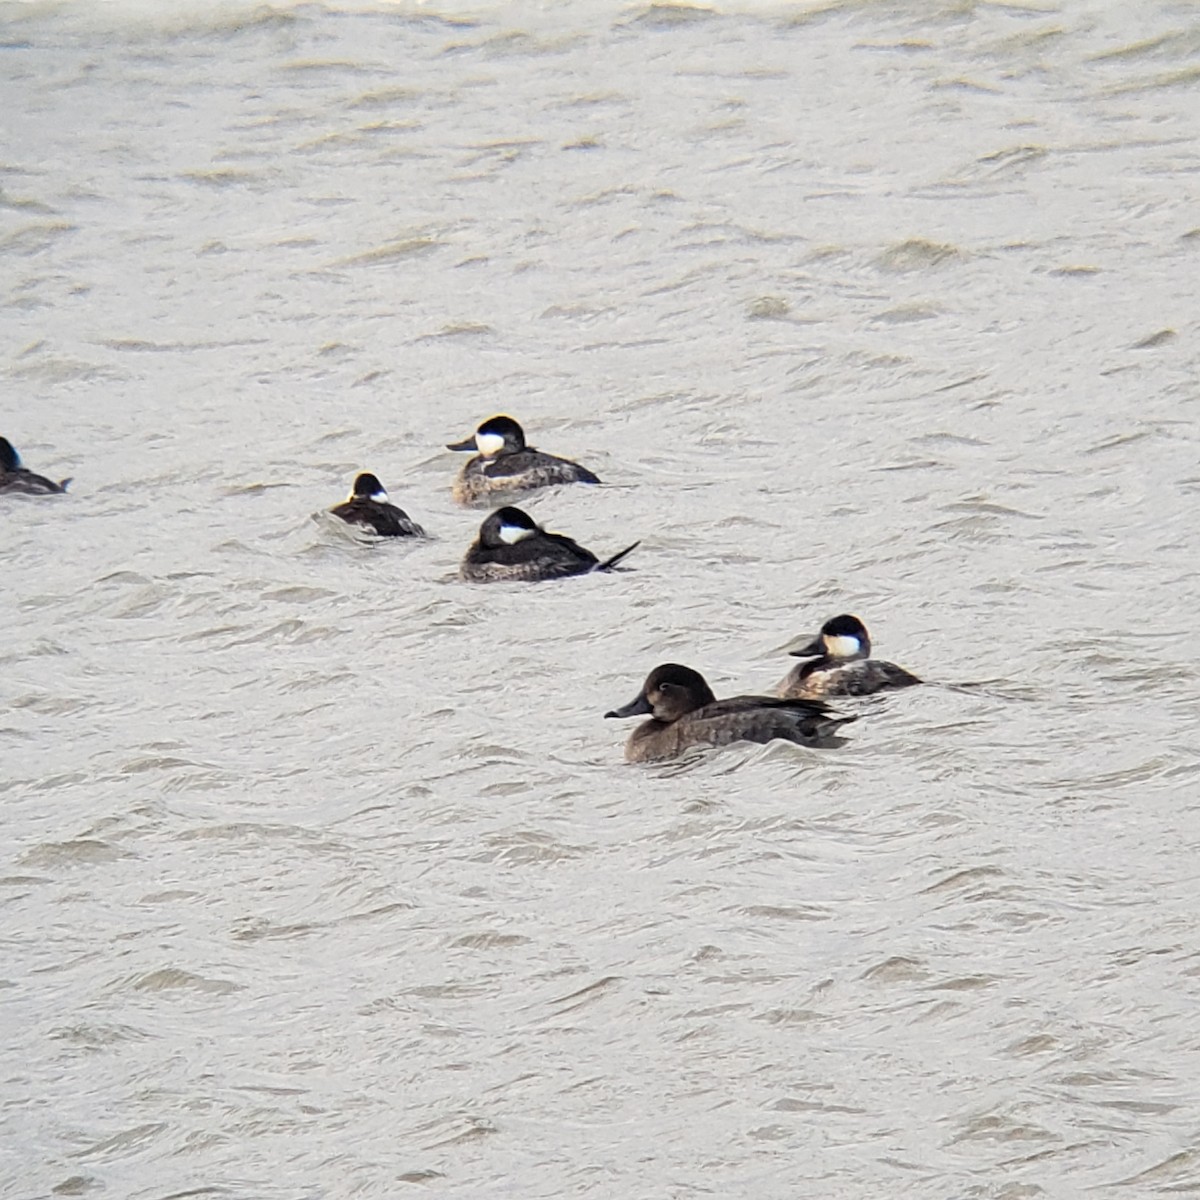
<point>323,878</point>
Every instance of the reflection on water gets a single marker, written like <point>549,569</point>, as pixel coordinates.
<point>324,873</point>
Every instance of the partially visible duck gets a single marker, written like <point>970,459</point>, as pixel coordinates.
<point>513,546</point>
<point>16,478</point>
<point>842,665</point>
<point>685,714</point>
<point>368,506</point>
<point>503,465</point>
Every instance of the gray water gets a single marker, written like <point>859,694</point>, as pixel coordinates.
<point>323,876</point>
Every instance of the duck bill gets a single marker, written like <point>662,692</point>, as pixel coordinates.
<point>814,649</point>
<point>465,444</point>
<point>635,708</point>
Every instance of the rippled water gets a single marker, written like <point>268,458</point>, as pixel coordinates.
<point>324,875</point>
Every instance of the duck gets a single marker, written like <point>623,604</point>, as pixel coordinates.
<point>15,478</point>
<point>504,464</point>
<point>368,506</point>
<point>685,715</point>
<point>841,665</point>
<point>512,546</point>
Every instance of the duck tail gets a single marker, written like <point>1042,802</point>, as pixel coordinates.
<point>829,724</point>
<point>609,563</point>
<point>828,729</point>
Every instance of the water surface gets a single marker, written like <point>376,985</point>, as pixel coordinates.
<point>323,875</point>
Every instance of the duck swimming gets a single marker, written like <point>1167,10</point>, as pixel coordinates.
<point>368,506</point>
<point>842,665</point>
<point>503,464</point>
<point>512,546</point>
<point>685,714</point>
<point>15,478</point>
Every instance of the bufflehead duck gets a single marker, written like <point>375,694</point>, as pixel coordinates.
<point>511,545</point>
<point>685,714</point>
<point>368,506</point>
<point>503,464</point>
<point>842,665</point>
<point>16,478</point>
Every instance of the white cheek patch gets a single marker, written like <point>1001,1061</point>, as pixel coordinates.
<point>842,647</point>
<point>380,497</point>
<point>488,444</point>
<point>510,535</point>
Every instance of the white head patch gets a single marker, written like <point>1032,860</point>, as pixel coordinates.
<point>843,646</point>
<point>510,535</point>
<point>380,497</point>
<point>488,443</point>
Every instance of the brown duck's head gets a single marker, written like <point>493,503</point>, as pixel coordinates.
<point>670,692</point>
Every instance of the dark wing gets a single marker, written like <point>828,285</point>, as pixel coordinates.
<point>540,556</point>
<point>386,519</point>
<point>741,704</point>
<point>863,678</point>
<point>894,676</point>
<point>579,474</point>
<point>518,463</point>
<point>395,522</point>
<point>542,470</point>
<point>26,482</point>
<point>764,718</point>
<point>567,549</point>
